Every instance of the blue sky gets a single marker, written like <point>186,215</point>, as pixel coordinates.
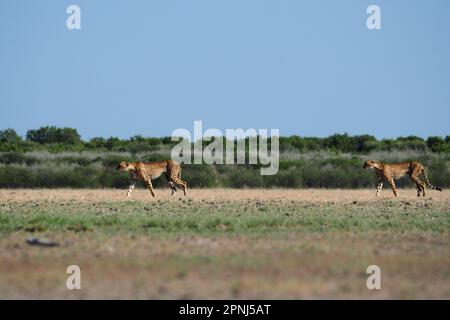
<point>310,68</point>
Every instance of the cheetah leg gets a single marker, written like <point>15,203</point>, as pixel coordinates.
<point>419,185</point>
<point>172,186</point>
<point>181,183</point>
<point>379,187</point>
<point>394,189</point>
<point>130,188</point>
<point>150,187</point>
<point>423,187</point>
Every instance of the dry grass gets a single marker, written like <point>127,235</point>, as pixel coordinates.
<point>293,244</point>
<point>315,195</point>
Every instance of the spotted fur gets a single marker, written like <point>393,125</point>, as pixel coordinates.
<point>392,171</point>
<point>147,171</point>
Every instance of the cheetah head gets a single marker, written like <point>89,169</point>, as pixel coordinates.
<point>124,166</point>
<point>369,164</point>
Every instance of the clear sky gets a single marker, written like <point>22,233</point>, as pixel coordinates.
<point>310,68</point>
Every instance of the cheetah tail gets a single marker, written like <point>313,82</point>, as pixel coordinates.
<point>429,183</point>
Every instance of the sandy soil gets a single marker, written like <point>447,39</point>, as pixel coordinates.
<point>315,195</point>
<point>299,264</point>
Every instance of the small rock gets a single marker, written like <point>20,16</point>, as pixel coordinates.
<point>42,242</point>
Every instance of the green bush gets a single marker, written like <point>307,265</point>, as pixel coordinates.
<point>50,135</point>
<point>57,157</point>
<point>56,140</point>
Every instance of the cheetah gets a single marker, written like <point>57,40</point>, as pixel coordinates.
<point>147,171</point>
<point>391,171</point>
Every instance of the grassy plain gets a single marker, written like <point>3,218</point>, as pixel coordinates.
<point>225,243</point>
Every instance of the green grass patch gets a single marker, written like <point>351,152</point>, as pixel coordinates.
<point>215,217</point>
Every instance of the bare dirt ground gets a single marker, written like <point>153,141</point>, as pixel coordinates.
<point>315,195</point>
<point>223,243</point>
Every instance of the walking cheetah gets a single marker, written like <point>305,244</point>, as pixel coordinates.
<point>147,171</point>
<point>391,171</point>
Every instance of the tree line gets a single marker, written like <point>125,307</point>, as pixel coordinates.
<point>51,157</point>
<point>54,139</point>
<point>42,169</point>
